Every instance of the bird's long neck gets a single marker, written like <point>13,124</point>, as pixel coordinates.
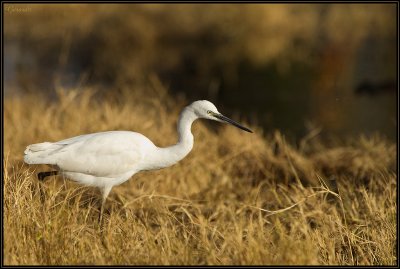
<point>173,154</point>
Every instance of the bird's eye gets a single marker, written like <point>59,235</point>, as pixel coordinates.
<point>209,112</point>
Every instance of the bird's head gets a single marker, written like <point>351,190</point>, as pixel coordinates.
<point>207,110</point>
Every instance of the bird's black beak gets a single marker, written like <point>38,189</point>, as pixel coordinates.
<point>234,123</point>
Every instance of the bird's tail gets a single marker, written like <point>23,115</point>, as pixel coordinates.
<point>39,153</point>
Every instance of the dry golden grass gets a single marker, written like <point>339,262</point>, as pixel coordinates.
<point>220,205</point>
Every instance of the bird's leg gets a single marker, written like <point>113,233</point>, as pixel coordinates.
<point>105,191</point>
<point>41,176</point>
<point>101,212</point>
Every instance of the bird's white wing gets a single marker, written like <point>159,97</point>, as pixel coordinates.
<point>105,154</point>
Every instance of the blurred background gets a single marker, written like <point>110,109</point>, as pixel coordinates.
<point>300,68</point>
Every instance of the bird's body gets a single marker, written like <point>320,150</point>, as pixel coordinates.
<point>87,160</point>
<point>107,159</point>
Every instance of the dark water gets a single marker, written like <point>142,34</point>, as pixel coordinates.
<point>343,94</point>
<point>304,97</point>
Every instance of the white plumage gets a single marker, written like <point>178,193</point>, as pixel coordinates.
<point>106,159</point>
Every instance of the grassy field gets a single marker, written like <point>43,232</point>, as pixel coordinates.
<point>237,198</point>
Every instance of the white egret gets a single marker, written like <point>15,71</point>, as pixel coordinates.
<point>107,159</point>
